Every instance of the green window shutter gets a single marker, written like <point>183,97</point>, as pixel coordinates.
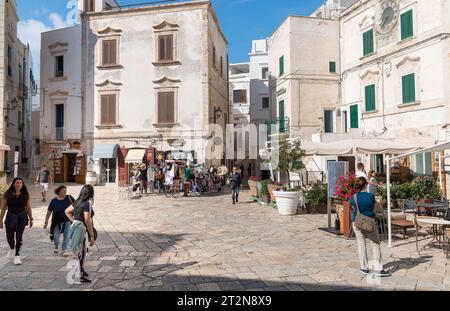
<point>281,65</point>
<point>370,97</point>
<point>282,123</point>
<point>333,67</point>
<point>368,42</point>
<point>407,25</point>
<point>408,88</point>
<point>354,116</point>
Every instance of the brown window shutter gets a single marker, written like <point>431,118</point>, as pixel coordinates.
<point>166,107</point>
<point>162,48</point>
<point>113,52</point>
<point>105,52</point>
<point>112,109</point>
<point>171,107</point>
<point>108,109</point>
<point>169,48</point>
<point>103,109</point>
<point>243,96</point>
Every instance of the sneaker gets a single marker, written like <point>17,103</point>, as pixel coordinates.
<point>11,254</point>
<point>17,260</point>
<point>382,274</point>
<point>55,251</point>
<point>66,254</point>
<point>364,271</point>
<point>85,280</point>
<point>84,274</point>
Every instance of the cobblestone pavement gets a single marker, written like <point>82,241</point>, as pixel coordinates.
<point>206,243</point>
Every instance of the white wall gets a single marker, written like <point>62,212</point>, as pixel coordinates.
<point>259,87</point>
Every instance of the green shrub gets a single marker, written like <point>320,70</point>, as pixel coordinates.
<point>3,189</point>
<point>317,194</point>
<point>264,189</point>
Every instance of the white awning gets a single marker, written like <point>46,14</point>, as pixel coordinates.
<point>135,155</point>
<point>105,151</point>
<point>4,147</point>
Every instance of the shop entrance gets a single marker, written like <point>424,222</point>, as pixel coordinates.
<point>108,171</point>
<point>70,161</point>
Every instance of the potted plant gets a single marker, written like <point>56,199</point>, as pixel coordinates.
<point>274,186</point>
<point>252,185</point>
<point>265,195</point>
<point>290,157</point>
<point>316,199</point>
<point>345,189</point>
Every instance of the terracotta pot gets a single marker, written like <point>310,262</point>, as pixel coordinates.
<point>271,189</point>
<point>253,189</point>
<point>347,220</point>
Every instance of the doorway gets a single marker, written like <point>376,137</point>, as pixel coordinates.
<point>70,161</point>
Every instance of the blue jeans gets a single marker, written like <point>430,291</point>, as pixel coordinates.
<point>66,233</point>
<point>235,194</point>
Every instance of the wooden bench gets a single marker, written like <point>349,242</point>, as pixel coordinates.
<point>403,224</point>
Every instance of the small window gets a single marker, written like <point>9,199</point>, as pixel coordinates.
<point>108,109</point>
<point>166,107</point>
<point>265,73</point>
<point>345,116</point>
<point>89,5</point>
<point>407,25</point>
<point>354,117</point>
<point>109,53</point>
<point>59,66</point>
<point>328,120</point>
<point>332,67</point>
<point>370,97</point>
<point>408,88</point>
<point>165,48</point>
<point>368,42</point>
<point>240,96</point>
<point>281,65</point>
<point>265,103</point>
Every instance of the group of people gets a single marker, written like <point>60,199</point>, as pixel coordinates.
<point>71,218</point>
<point>363,203</point>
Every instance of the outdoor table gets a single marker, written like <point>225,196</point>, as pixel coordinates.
<point>430,206</point>
<point>436,222</point>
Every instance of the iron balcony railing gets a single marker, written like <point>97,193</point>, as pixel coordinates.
<point>278,125</point>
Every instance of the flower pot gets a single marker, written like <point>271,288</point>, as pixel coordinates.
<point>287,201</point>
<point>91,178</point>
<point>265,198</point>
<point>271,189</point>
<point>253,189</point>
<point>347,220</point>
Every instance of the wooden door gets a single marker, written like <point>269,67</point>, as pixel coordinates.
<point>123,168</point>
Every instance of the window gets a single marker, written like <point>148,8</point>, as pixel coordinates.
<point>59,66</point>
<point>240,96</point>
<point>109,52</point>
<point>328,118</point>
<point>377,163</point>
<point>281,65</point>
<point>265,73</point>
<point>265,103</point>
<point>332,67</point>
<point>345,122</point>
<point>368,42</point>
<point>422,163</point>
<point>9,61</point>
<point>59,121</point>
<point>281,116</point>
<point>221,66</point>
<point>165,48</point>
<point>354,116</point>
<point>166,107</point>
<point>108,109</point>
<point>370,97</point>
<point>89,5</point>
<point>408,88</point>
<point>407,25</point>
<point>214,57</point>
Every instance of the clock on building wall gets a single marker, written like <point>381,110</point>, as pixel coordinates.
<point>387,16</point>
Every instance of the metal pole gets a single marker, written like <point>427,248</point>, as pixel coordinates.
<point>440,177</point>
<point>388,187</point>
<point>329,211</point>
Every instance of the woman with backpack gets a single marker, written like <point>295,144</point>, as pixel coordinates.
<point>81,214</point>
<point>364,217</point>
<point>16,201</point>
<point>60,223</point>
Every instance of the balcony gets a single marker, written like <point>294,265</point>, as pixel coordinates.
<point>59,133</point>
<point>278,126</point>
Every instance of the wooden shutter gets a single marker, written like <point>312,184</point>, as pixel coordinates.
<point>332,67</point>
<point>354,116</point>
<point>370,97</point>
<point>243,96</point>
<point>109,53</point>
<point>166,107</point>
<point>281,65</point>
<point>408,88</point>
<point>407,29</point>
<point>165,48</point>
<point>368,42</point>
<point>108,109</point>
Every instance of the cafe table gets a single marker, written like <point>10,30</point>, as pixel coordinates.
<point>436,222</point>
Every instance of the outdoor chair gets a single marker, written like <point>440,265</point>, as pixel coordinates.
<point>410,206</point>
<point>443,209</point>
<point>400,221</point>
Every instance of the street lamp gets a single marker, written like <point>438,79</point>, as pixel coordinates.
<point>217,113</point>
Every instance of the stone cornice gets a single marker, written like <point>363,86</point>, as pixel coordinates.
<point>108,82</point>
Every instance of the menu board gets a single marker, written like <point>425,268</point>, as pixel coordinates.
<point>57,166</point>
<point>79,166</point>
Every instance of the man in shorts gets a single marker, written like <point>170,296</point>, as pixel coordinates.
<point>43,178</point>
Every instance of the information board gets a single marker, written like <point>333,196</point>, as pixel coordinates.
<point>336,169</point>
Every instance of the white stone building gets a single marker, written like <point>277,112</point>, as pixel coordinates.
<point>62,146</point>
<point>240,92</point>
<point>153,74</point>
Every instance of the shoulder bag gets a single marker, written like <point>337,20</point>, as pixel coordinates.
<point>363,222</point>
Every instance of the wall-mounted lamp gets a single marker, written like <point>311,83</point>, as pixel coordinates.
<point>217,113</point>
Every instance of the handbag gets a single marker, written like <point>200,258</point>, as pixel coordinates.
<point>363,222</point>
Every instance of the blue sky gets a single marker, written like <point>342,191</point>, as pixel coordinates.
<point>241,20</point>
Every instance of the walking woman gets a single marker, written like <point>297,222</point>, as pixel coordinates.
<point>81,213</point>
<point>365,203</point>
<point>17,202</point>
<point>60,223</point>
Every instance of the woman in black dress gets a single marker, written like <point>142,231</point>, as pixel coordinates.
<point>17,203</point>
